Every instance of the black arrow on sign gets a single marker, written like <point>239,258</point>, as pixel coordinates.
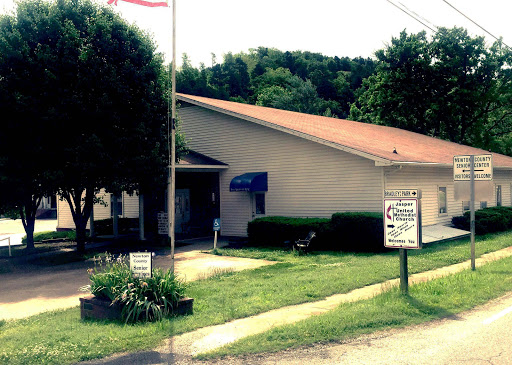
<point>413,193</point>
<point>470,170</point>
<point>391,226</point>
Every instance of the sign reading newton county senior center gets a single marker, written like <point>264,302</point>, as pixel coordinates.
<point>482,169</point>
<point>401,221</point>
<point>141,264</point>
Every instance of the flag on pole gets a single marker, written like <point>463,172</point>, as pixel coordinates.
<point>150,3</point>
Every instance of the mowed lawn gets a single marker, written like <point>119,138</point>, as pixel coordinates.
<point>61,337</point>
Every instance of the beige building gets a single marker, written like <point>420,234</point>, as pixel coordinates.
<point>250,161</point>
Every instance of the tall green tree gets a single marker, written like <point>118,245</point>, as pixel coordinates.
<point>451,86</point>
<point>93,86</point>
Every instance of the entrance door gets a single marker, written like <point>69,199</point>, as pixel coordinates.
<point>182,198</point>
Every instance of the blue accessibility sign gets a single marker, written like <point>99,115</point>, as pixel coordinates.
<point>216,224</point>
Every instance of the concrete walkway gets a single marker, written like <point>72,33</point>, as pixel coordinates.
<point>24,294</point>
<point>179,349</point>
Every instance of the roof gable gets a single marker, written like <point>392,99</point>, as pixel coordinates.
<point>372,141</point>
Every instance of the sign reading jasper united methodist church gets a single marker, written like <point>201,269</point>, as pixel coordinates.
<point>401,219</point>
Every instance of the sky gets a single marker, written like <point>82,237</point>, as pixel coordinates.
<point>340,28</point>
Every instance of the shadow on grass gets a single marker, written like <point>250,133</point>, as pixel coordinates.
<point>430,310</point>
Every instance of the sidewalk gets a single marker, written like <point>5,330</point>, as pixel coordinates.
<point>26,293</point>
<point>182,347</point>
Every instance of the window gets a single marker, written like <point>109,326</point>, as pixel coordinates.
<point>259,200</point>
<point>465,206</point>
<point>483,205</point>
<point>498,195</point>
<point>441,198</point>
<point>119,204</point>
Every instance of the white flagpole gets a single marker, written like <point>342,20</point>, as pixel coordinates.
<point>171,183</point>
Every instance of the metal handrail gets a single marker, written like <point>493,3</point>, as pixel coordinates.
<point>8,238</point>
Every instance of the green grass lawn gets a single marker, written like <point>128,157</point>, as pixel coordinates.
<point>62,338</point>
<point>426,301</point>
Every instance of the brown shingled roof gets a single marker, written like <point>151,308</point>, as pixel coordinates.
<point>369,140</point>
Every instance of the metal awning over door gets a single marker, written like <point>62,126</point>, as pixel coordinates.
<point>251,181</point>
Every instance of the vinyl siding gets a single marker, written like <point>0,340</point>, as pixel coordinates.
<point>305,178</point>
<point>101,211</point>
<point>130,205</point>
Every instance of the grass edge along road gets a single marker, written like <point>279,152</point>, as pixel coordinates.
<point>61,337</point>
<point>427,301</point>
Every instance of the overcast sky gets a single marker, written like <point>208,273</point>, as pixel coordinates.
<point>332,27</point>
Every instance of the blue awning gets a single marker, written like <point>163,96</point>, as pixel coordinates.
<point>251,181</point>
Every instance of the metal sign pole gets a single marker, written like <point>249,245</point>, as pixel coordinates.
<point>404,274</point>
<point>472,209</point>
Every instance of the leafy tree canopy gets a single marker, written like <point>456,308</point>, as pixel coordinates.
<point>451,86</point>
<point>82,94</point>
<point>244,77</point>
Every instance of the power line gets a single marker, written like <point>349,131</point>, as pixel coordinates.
<point>412,16</point>
<point>418,15</point>
<point>475,23</point>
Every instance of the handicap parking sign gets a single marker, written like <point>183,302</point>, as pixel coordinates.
<point>216,224</point>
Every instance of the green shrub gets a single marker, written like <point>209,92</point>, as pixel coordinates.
<point>47,235</point>
<point>275,231</point>
<point>488,220</point>
<point>145,299</point>
<point>357,231</point>
<point>106,226</point>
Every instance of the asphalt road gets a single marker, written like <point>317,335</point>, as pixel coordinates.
<point>479,336</point>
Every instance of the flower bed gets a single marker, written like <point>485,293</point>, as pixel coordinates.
<point>132,299</point>
<point>92,307</point>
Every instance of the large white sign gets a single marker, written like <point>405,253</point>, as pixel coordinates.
<point>401,223</point>
<point>141,264</point>
<point>482,168</point>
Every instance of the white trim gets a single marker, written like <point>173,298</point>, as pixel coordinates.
<point>201,168</point>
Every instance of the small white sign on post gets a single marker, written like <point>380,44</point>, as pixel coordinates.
<point>163,224</point>
<point>141,264</point>
<point>401,221</point>
<point>462,167</point>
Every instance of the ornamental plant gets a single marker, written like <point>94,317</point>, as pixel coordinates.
<point>147,299</point>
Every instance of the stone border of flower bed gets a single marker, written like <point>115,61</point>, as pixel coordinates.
<point>92,307</point>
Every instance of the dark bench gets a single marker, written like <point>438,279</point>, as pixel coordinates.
<point>303,245</point>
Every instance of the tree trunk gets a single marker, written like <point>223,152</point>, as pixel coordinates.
<point>80,213</point>
<point>28,225</point>
<point>80,225</point>
<point>28,218</point>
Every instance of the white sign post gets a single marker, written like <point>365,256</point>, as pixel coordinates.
<point>402,226</point>
<point>472,168</point>
<point>216,229</point>
<point>482,165</point>
<point>141,264</point>
<point>401,222</point>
